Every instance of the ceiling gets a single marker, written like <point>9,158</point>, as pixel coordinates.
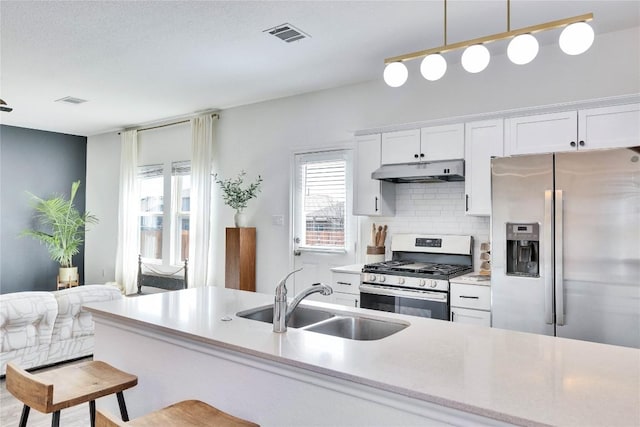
<point>137,62</point>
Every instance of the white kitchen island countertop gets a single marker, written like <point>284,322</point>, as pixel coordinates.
<point>509,376</point>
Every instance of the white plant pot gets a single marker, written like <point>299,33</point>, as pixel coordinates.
<point>68,274</point>
<point>240,219</point>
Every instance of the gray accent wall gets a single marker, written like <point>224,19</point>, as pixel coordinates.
<point>43,163</point>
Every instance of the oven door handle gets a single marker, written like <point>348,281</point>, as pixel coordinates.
<point>394,292</point>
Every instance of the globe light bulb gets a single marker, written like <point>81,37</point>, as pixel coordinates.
<point>523,49</point>
<point>576,38</point>
<point>475,58</point>
<point>395,74</point>
<point>433,67</point>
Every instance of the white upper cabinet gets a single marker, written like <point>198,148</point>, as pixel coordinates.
<point>421,145</point>
<point>543,133</point>
<point>609,127</point>
<point>401,147</point>
<point>593,128</point>
<point>371,196</point>
<point>442,142</point>
<point>483,140</point>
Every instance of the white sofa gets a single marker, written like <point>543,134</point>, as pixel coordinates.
<point>41,328</point>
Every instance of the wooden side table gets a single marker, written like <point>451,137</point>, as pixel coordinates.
<point>240,260</point>
<point>69,284</point>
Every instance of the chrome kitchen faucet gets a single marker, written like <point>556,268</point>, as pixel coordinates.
<point>282,311</point>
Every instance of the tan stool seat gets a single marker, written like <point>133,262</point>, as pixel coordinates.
<point>57,389</point>
<point>188,413</point>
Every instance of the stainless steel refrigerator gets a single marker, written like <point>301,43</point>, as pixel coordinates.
<point>565,237</point>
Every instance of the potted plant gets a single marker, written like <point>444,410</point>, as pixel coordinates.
<point>236,196</point>
<point>61,229</point>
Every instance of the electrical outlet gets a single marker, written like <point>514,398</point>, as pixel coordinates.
<point>277,220</point>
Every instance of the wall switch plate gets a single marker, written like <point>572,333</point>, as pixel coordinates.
<point>277,220</point>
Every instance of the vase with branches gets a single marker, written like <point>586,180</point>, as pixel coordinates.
<point>237,196</point>
<point>61,228</point>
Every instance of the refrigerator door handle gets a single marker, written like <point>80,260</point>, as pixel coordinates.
<point>558,260</point>
<point>548,257</point>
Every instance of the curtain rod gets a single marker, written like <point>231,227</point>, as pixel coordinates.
<point>214,115</point>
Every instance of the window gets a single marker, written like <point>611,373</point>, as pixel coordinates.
<point>321,200</point>
<point>164,212</point>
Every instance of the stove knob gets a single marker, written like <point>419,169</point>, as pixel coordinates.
<point>400,280</point>
<point>422,282</point>
<point>382,278</point>
<point>372,277</point>
<point>433,284</point>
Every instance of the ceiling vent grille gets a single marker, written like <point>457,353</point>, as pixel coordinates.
<point>287,33</point>
<point>71,100</point>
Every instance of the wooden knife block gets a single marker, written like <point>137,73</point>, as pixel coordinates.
<point>240,260</point>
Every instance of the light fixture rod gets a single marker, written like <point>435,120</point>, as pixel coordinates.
<point>445,22</point>
<point>508,15</point>
<point>488,39</point>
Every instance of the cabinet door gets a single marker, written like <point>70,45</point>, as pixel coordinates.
<point>371,196</point>
<point>348,300</point>
<point>474,317</point>
<point>483,140</point>
<point>442,142</point>
<point>544,133</point>
<point>401,146</point>
<point>609,127</point>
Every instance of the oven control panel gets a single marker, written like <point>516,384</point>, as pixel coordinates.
<point>422,242</point>
<point>406,282</point>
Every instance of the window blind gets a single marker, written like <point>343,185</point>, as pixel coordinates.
<point>323,197</point>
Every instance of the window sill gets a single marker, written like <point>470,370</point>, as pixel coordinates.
<point>323,250</point>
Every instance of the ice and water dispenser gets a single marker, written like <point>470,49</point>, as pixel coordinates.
<point>523,249</point>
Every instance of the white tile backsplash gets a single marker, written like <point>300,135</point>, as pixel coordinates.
<point>436,208</point>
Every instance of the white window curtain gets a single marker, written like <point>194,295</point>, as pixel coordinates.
<point>200,245</point>
<point>127,252</point>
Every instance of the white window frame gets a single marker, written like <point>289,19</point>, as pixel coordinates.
<point>297,217</point>
<point>171,216</point>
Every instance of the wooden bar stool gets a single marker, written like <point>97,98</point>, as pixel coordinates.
<point>188,413</point>
<point>57,389</point>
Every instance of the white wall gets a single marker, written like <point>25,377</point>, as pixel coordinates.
<point>260,138</point>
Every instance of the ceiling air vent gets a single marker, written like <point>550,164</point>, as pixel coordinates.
<point>287,33</point>
<point>71,100</point>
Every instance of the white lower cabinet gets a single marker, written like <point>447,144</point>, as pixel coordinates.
<point>466,315</point>
<point>346,289</point>
<point>470,304</point>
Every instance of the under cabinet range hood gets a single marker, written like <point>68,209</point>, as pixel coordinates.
<point>447,170</point>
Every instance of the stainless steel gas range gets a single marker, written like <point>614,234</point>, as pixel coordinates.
<point>416,279</point>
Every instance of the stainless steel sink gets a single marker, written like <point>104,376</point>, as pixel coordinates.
<point>357,328</point>
<point>301,316</point>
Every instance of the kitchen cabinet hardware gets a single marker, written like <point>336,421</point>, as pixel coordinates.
<point>572,143</point>
<point>470,297</point>
<point>415,156</point>
<point>421,155</point>
<point>466,203</point>
<point>376,201</point>
<point>581,143</point>
<point>344,283</point>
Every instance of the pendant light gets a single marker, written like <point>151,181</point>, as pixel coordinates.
<point>576,38</point>
<point>434,66</point>
<point>395,74</point>
<point>523,48</point>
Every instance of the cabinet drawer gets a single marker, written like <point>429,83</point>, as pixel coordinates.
<point>474,317</point>
<point>471,296</point>
<point>348,283</point>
